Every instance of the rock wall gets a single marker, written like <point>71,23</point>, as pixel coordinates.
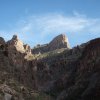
<point>73,74</point>
<point>81,77</point>
<point>61,41</point>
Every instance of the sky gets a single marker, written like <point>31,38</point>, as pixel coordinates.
<point>39,21</point>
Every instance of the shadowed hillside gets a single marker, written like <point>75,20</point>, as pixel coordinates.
<point>49,72</point>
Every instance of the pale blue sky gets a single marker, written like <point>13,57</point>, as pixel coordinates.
<point>38,21</point>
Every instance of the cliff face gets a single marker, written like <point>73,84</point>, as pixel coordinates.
<point>81,80</point>
<point>61,73</point>
<point>16,74</point>
<point>61,41</point>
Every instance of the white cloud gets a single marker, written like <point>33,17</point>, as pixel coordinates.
<point>40,26</point>
<point>52,23</point>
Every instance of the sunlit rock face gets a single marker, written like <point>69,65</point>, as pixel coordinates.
<point>18,55</point>
<point>15,51</point>
<point>18,52</point>
<point>17,44</point>
<point>60,41</point>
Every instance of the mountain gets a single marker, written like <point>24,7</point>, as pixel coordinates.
<point>60,41</point>
<point>53,71</point>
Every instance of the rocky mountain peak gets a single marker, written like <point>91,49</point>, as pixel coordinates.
<point>60,41</point>
<point>16,43</point>
<point>63,37</point>
<point>15,37</point>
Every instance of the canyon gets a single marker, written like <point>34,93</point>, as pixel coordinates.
<point>53,71</point>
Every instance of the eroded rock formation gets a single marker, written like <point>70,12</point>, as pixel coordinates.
<point>73,74</point>
<point>61,41</point>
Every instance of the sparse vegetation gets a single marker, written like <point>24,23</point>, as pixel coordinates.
<point>46,54</point>
<point>51,53</point>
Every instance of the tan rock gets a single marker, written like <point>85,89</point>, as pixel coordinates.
<point>16,43</point>
<point>27,49</point>
<point>61,41</point>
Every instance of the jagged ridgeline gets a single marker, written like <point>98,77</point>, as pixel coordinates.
<point>53,71</point>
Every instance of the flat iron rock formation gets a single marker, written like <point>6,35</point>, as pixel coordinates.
<point>57,73</point>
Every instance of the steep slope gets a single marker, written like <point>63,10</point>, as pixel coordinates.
<point>60,73</point>
<point>12,66</point>
<point>81,80</point>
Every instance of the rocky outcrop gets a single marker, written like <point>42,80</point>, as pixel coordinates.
<point>8,92</point>
<point>69,75</point>
<point>18,54</point>
<point>80,79</point>
<point>61,41</point>
<point>16,44</point>
<point>17,51</point>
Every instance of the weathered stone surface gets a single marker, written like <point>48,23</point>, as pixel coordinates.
<point>17,51</point>
<point>15,43</point>
<point>83,76</point>
<point>61,41</point>
<point>73,74</point>
<point>27,49</point>
<point>7,91</point>
<point>7,96</point>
